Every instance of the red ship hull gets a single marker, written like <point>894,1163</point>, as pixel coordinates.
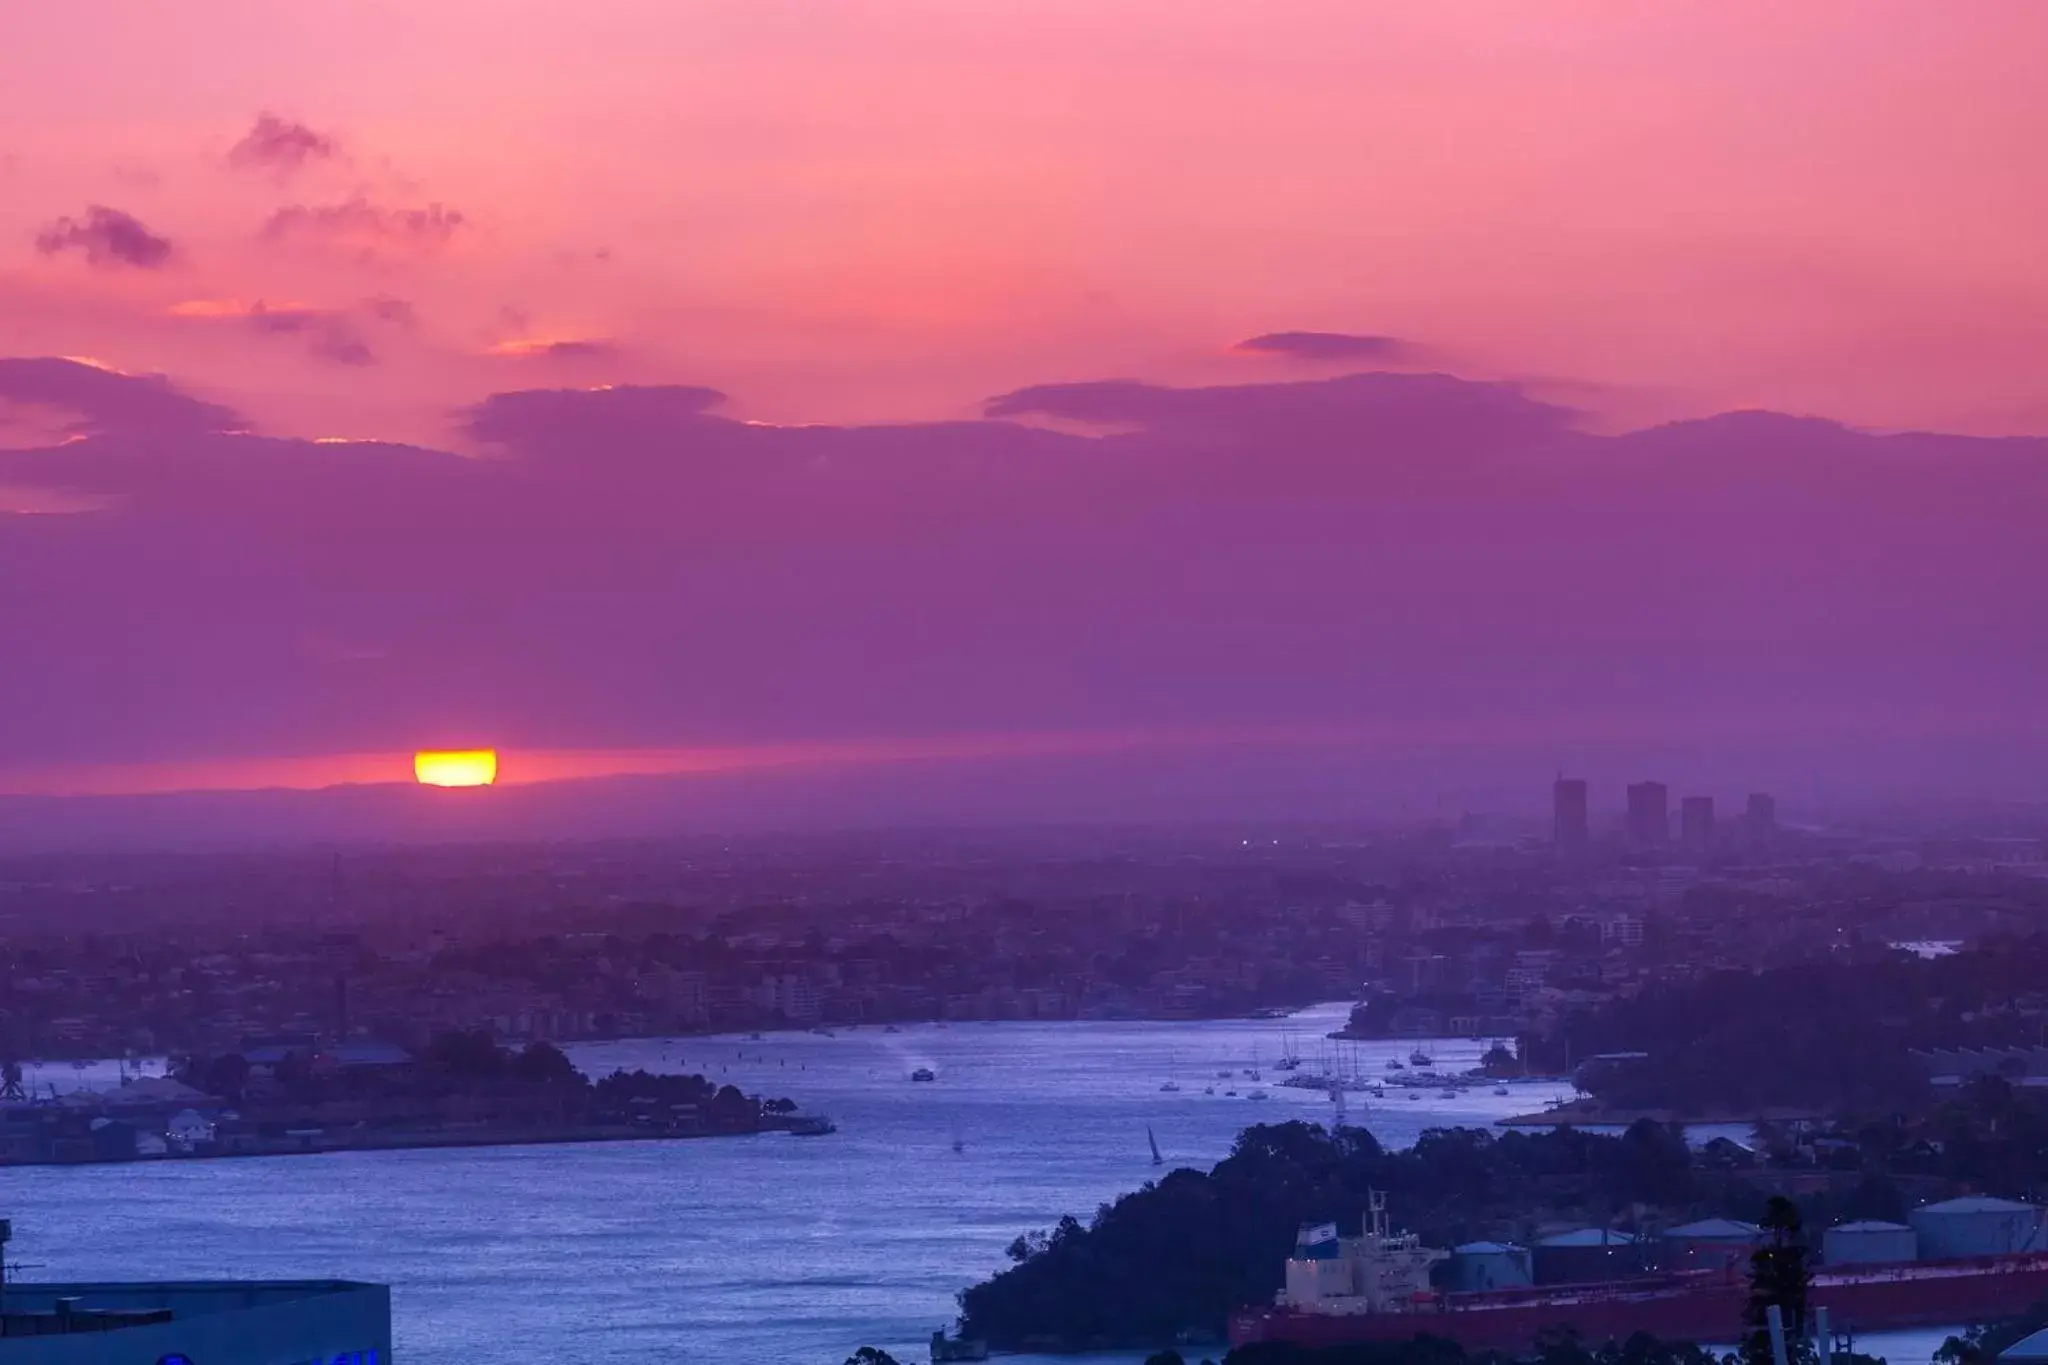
<point>1704,1307</point>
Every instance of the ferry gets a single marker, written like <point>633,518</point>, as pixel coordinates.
<point>1375,1288</point>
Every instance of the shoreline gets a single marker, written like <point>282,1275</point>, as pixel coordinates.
<point>398,1142</point>
<point>1582,1115</point>
<point>1272,1013</point>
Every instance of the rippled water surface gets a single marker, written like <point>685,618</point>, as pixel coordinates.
<point>729,1250</point>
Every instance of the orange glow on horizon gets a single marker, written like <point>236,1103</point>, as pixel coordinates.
<point>456,767</point>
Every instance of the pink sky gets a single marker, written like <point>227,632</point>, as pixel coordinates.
<point>890,210</point>
<point>529,240</point>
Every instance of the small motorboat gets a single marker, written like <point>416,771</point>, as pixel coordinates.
<point>1500,1090</point>
<point>924,1073</point>
<point>1170,1087</point>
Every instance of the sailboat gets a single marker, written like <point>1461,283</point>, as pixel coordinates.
<point>1156,1158</point>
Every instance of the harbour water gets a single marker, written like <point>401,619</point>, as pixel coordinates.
<point>736,1250</point>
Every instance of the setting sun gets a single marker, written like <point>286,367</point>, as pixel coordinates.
<point>456,767</point>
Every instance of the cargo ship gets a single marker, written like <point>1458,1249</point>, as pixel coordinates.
<point>1376,1287</point>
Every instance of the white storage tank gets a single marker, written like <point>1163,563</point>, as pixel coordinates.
<point>1869,1243</point>
<point>1490,1265</point>
<point>1976,1225</point>
<point>1711,1244</point>
<point>1586,1256</point>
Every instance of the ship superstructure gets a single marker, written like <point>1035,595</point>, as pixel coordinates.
<point>1379,1271</point>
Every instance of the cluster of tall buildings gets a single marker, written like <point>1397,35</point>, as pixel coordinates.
<point>1646,823</point>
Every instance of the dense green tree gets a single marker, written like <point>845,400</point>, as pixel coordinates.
<point>466,1054</point>
<point>1982,1344</point>
<point>226,1076</point>
<point>1779,1274</point>
<point>542,1063</point>
<point>1181,1253</point>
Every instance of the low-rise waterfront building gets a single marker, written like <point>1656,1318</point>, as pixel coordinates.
<point>198,1322</point>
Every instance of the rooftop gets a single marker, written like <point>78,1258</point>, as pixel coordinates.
<point>223,1321</point>
<point>1589,1237</point>
<point>1715,1227</point>
<point>2027,1349</point>
<point>1976,1203</point>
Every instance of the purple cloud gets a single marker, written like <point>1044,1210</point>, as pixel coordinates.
<point>330,335</point>
<point>279,145</point>
<point>536,419</point>
<point>361,224</point>
<point>105,401</point>
<point>580,348</point>
<point>397,312</point>
<point>1360,426</point>
<point>107,237</point>
<point>1323,346</point>
<point>286,320</point>
<point>337,345</point>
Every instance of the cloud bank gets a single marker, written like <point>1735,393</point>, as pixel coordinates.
<point>1413,556</point>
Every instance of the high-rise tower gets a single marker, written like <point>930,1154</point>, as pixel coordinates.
<point>1569,831</point>
<point>1649,814</point>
